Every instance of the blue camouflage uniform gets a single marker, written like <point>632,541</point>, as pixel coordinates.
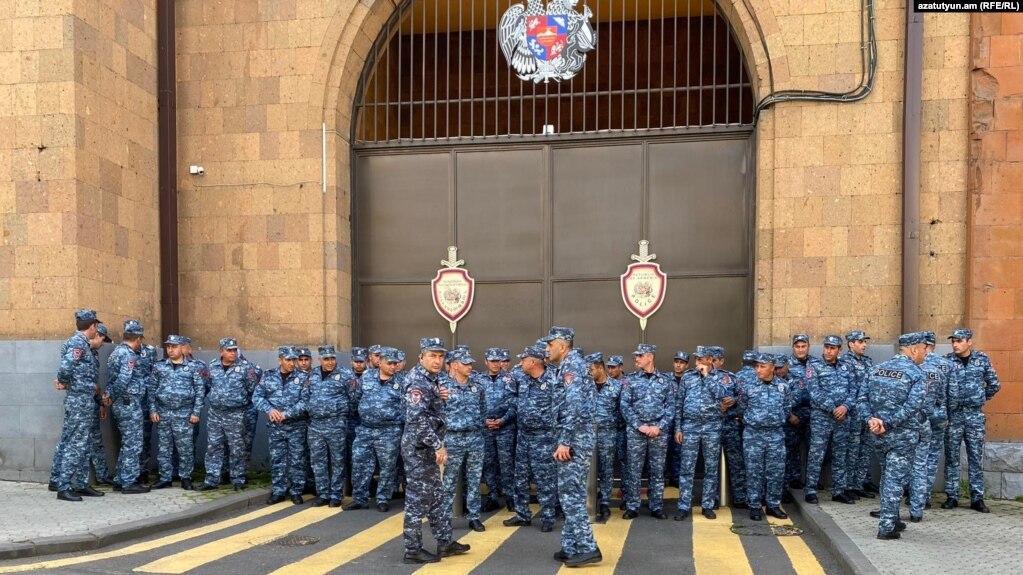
<point>358,355</point>
<point>499,453</point>
<point>423,435</point>
<point>765,407</point>
<point>977,383</point>
<point>858,462</point>
<point>647,399</point>
<point>228,399</point>
<point>894,393</point>
<point>287,393</point>
<point>178,394</point>
<point>378,438</point>
<point>327,406</point>
<point>465,410</point>
<point>536,441</point>
<point>574,430</point>
<point>78,372</point>
<point>97,453</point>
<point>698,408</point>
<point>932,432</point>
<point>797,435</point>
<point>146,364</point>
<point>128,387</point>
<point>605,420</point>
<point>674,449</point>
<point>830,386</point>
<point>731,429</point>
<point>621,450</point>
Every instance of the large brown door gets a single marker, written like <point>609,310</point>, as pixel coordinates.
<point>546,230</point>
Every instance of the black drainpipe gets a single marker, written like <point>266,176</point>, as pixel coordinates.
<point>168,168</point>
<point>911,170</point>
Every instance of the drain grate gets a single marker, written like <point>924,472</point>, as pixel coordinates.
<point>766,530</point>
<point>294,541</point>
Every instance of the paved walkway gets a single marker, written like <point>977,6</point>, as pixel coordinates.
<point>35,520</point>
<point>946,541</point>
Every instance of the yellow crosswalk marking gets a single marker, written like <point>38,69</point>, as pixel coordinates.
<point>145,546</point>
<point>716,549</point>
<point>804,562</point>
<point>347,550</point>
<point>483,546</point>
<point>610,538</point>
<point>203,554</point>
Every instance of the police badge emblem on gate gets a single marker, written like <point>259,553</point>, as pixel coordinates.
<point>541,44</point>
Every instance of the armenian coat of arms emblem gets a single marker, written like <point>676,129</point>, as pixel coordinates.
<point>546,43</point>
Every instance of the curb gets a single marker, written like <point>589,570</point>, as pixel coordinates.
<point>846,552</point>
<point>112,534</point>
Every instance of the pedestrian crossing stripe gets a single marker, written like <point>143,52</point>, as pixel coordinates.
<point>347,550</point>
<point>610,538</point>
<point>146,545</point>
<point>804,562</point>
<point>715,545</point>
<point>483,546</point>
<point>197,556</point>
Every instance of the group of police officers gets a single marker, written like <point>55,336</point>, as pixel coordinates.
<point>540,422</point>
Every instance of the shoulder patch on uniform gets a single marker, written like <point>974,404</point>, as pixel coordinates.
<point>809,371</point>
<point>131,364</point>
<point>569,378</point>
<point>933,375</point>
<point>726,379</point>
<point>415,396</point>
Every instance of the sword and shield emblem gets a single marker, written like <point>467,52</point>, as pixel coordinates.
<point>643,285</point>
<point>545,43</point>
<point>453,289</point>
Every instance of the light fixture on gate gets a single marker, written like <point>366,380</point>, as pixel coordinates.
<point>548,130</point>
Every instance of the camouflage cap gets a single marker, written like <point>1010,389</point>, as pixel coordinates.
<point>102,330</point>
<point>614,361</point>
<point>961,333</point>
<point>856,335</point>
<point>565,333</point>
<point>133,327</point>
<point>534,353</point>
<point>681,356</point>
<point>327,352</point>
<point>764,358</point>
<point>390,355</point>
<point>749,356</point>
<point>86,315</point>
<point>930,338</point>
<point>188,340</point>
<point>229,343</point>
<point>912,338</point>
<point>833,340</point>
<point>716,351</point>
<point>800,337</point>
<point>645,348</point>
<point>431,344</point>
<point>304,352</point>
<point>376,349</point>
<point>175,340</point>
<point>594,358</point>
<point>287,352</point>
<point>358,354</point>
<point>780,360</point>
<point>462,356</point>
<point>493,354</point>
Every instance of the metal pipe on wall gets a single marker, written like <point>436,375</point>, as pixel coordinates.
<point>911,169</point>
<point>168,166</point>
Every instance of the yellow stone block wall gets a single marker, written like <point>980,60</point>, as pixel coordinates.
<point>78,178</point>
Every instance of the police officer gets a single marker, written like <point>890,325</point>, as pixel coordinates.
<point>932,432</point>
<point>378,439</point>
<point>781,375</point>
<point>179,392</point>
<point>575,443</point>
<point>422,447</point>
<point>830,385</point>
<point>680,363</point>
<point>978,383</point>
<point>146,364</point>
<point>127,388</point>
<point>699,407</point>
<point>731,427</point>
<point>796,435</point>
<point>890,405</point>
<point>282,394</point>
<point>233,381</point>
<point>536,440</point>
<point>858,463</point>
<point>647,403</point>
<point>606,416</point>
<point>499,453</point>
<point>328,413</point>
<point>466,409</point>
<point>78,375</point>
<point>765,404</point>
<point>354,376</point>
<point>97,454</point>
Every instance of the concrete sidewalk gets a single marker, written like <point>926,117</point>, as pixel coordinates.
<point>946,541</point>
<point>37,523</point>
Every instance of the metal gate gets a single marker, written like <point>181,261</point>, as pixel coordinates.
<point>640,149</point>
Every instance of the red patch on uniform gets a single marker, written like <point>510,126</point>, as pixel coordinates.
<point>415,396</point>
<point>352,383</point>
<point>131,364</point>
<point>76,353</point>
<point>809,372</point>
<point>569,378</point>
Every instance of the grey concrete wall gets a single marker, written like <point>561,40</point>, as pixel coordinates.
<point>32,412</point>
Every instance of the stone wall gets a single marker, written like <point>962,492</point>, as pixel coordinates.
<point>78,178</point>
